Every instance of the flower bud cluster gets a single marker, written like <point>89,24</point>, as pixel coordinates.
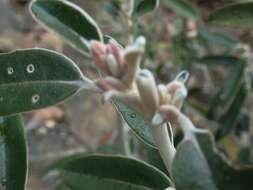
<point>124,80</point>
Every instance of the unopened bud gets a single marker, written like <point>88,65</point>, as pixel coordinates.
<point>179,97</point>
<point>178,93</point>
<point>117,51</point>
<point>98,52</point>
<point>113,66</point>
<point>164,96</point>
<point>132,58</point>
<point>148,92</point>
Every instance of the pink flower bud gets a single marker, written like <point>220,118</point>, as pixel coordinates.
<point>98,52</point>
<point>116,50</point>
<point>178,92</point>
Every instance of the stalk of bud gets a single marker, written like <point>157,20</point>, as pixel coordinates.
<point>165,146</point>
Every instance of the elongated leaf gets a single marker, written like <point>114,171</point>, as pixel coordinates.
<point>229,120</point>
<point>13,155</point>
<point>228,90</point>
<point>136,123</point>
<point>142,7</point>
<point>155,159</point>
<point>182,7</point>
<point>68,20</point>
<point>215,38</point>
<point>95,168</point>
<point>219,60</point>
<point>207,168</point>
<point>72,181</point>
<point>235,15</point>
<point>35,78</point>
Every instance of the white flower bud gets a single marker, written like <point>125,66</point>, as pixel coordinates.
<point>164,96</point>
<point>132,58</point>
<point>179,97</point>
<point>148,92</point>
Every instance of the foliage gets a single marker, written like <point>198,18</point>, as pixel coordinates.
<point>36,78</point>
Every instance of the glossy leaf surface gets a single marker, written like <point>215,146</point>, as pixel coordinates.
<point>102,170</point>
<point>136,123</point>
<point>68,20</point>
<point>235,15</point>
<point>13,155</point>
<point>35,78</point>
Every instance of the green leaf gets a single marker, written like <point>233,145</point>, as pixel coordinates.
<point>13,155</point>
<point>207,168</point>
<point>136,123</point>
<point>235,15</point>
<point>229,89</point>
<point>190,169</point>
<point>36,78</point>
<point>155,159</point>
<point>219,60</point>
<point>103,170</point>
<point>68,20</point>
<point>113,7</point>
<point>227,177</point>
<point>142,7</point>
<point>229,119</point>
<point>215,38</point>
<point>183,7</point>
<point>72,181</point>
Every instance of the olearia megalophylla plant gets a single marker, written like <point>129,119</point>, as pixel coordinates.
<point>122,79</point>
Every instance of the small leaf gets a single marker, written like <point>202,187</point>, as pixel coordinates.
<point>136,123</point>
<point>68,20</point>
<point>142,7</point>
<point>235,15</point>
<point>100,169</point>
<point>36,78</point>
<point>13,155</point>
<point>182,7</point>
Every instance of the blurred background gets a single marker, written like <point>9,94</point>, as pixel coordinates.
<point>218,59</point>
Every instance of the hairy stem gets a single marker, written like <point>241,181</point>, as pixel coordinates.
<point>164,144</point>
